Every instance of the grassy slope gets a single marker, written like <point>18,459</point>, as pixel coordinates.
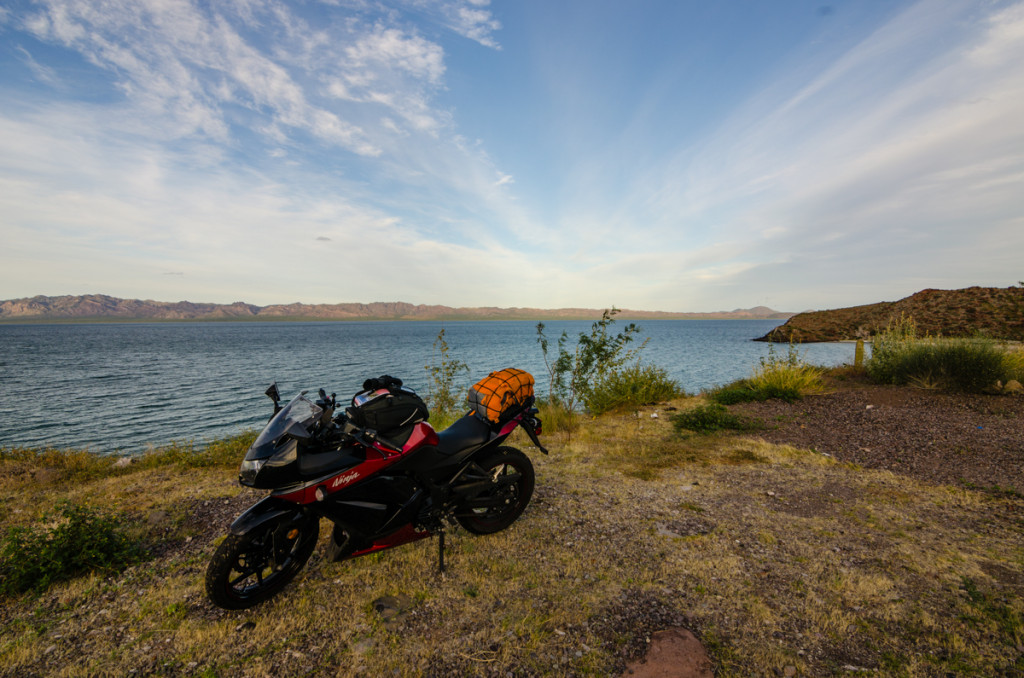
<point>776,557</point>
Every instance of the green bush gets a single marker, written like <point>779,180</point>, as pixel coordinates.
<point>971,365</point>
<point>631,386</point>
<point>787,378</point>
<point>78,539</point>
<point>709,419</point>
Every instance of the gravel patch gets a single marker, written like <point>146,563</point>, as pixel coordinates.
<point>972,440</point>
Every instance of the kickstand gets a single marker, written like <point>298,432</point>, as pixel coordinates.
<point>440,550</point>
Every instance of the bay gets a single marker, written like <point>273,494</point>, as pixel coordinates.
<point>125,387</point>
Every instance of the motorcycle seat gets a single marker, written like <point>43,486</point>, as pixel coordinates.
<point>470,431</point>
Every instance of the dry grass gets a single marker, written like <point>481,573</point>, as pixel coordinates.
<point>776,557</point>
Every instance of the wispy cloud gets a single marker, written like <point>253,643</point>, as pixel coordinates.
<point>896,161</point>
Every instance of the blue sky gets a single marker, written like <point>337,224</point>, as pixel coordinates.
<point>657,155</point>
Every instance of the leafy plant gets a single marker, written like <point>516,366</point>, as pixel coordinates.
<point>76,540</point>
<point>444,396</point>
<point>709,419</point>
<point>632,386</point>
<point>575,373</point>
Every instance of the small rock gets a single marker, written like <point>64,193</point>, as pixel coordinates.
<point>362,647</point>
<point>245,626</point>
<point>789,671</point>
<point>1013,387</point>
<point>124,461</point>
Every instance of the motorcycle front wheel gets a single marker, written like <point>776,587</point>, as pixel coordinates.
<point>512,480</point>
<point>249,568</point>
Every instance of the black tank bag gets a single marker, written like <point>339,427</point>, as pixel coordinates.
<point>387,407</point>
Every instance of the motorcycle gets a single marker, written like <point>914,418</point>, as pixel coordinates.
<point>379,473</point>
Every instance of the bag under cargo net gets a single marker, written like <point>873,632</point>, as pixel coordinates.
<point>501,395</point>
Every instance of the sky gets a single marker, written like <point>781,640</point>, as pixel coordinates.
<point>673,155</point>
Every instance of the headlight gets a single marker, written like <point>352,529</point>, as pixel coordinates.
<point>250,469</point>
<point>286,455</point>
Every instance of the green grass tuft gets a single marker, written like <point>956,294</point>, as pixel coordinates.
<point>786,378</point>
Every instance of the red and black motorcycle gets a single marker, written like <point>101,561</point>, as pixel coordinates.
<point>380,473</point>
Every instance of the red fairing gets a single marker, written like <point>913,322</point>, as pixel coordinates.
<point>307,493</point>
<point>511,425</point>
<point>422,434</point>
<point>402,536</point>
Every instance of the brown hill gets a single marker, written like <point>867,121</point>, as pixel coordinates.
<point>996,312</point>
<point>103,307</point>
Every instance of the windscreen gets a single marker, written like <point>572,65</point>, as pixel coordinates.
<point>294,418</point>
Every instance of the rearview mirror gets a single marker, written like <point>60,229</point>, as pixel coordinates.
<point>274,395</point>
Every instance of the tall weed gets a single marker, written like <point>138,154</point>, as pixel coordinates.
<point>444,395</point>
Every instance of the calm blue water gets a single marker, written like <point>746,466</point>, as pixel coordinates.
<point>125,387</point>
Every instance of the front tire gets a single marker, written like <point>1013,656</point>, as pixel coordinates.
<point>248,569</point>
<point>512,480</point>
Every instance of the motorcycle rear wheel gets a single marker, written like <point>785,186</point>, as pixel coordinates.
<point>248,569</point>
<point>513,478</point>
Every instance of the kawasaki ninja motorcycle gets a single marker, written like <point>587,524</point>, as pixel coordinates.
<point>379,474</point>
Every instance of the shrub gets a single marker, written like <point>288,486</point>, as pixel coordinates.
<point>632,386</point>
<point>710,418</point>
<point>898,356</point>
<point>78,540</point>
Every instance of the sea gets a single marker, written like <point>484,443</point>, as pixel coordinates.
<point>124,388</point>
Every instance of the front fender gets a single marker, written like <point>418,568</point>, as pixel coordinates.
<point>265,510</point>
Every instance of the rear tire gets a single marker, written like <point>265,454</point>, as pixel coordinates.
<point>248,569</point>
<point>513,478</point>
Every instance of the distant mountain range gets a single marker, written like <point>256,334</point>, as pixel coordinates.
<point>99,307</point>
<point>996,312</point>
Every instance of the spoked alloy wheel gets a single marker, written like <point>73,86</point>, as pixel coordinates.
<point>250,568</point>
<point>512,478</point>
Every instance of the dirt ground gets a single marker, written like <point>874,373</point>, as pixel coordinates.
<point>944,438</point>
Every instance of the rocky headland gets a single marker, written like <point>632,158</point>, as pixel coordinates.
<point>995,312</point>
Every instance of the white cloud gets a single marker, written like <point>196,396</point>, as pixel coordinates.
<point>898,161</point>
